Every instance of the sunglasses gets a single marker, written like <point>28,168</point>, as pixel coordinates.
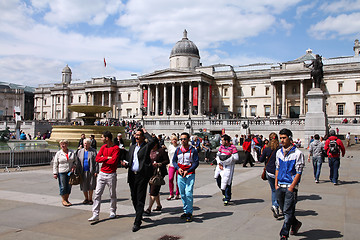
<point>183,139</point>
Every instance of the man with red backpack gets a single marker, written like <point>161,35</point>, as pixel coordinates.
<point>247,150</point>
<point>333,146</point>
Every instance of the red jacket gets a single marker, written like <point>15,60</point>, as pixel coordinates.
<point>339,142</point>
<point>247,145</point>
<point>108,165</point>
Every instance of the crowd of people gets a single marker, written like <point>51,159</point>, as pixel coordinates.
<point>148,161</point>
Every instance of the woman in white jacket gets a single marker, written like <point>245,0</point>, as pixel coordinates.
<point>63,164</point>
<point>226,158</point>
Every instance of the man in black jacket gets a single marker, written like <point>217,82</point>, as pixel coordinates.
<point>140,172</point>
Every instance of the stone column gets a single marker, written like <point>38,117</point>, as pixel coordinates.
<point>86,98</point>
<point>92,98</point>
<point>157,100</point>
<point>302,97</point>
<point>102,98</point>
<point>165,101</point>
<point>219,98</point>
<point>62,107</point>
<point>231,97</point>
<point>149,101</point>
<point>181,99</point>
<point>66,110</point>
<point>141,98</point>
<point>208,98</point>
<point>110,104</point>
<point>51,106</point>
<point>173,99</point>
<point>283,99</point>
<point>273,99</point>
<point>199,99</point>
<point>42,107</point>
<point>190,98</point>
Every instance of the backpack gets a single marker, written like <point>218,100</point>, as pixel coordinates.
<point>334,147</point>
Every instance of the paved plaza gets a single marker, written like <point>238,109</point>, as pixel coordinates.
<point>30,208</point>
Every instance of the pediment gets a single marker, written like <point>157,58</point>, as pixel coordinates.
<point>168,73</point>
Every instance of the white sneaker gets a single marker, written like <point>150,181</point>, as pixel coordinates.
<point>112,215</point>
<point>94,218</point>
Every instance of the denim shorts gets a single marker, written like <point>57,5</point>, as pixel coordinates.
<point>64,186</point>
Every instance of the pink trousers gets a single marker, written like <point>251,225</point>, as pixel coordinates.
<point>172,173</point>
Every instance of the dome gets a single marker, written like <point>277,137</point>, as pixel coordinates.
<point>66,69</point>
<point>185,47</point>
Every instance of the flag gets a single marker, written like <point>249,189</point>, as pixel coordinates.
<point>104,62</point>
<point>195,96</point>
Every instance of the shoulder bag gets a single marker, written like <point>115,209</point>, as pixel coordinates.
<point>157,179</point>
<point>263,175</point>
<point>74,179</point>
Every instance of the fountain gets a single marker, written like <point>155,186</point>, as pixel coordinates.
<point>73,132</point>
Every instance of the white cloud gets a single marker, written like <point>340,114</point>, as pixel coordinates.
<point>65,12</point>
<point>286,26</point>
<point>207,22</point>
<point>341,6</point>
<point>340,26</point>
<point>38,38</point>
<point>303,9</point>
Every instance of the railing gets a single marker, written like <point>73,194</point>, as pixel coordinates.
<point>25,154</point>
<point>226,122</point>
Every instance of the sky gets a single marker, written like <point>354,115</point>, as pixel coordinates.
<point>39,37</point>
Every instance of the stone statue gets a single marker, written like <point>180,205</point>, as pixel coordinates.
<point>317,72</point>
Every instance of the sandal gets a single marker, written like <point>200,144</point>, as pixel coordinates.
<point>91,202</point>
<point>177,197</point>
<point>147,211</point>
<point>158,208</point>
<point>170,197</point>
<point>85,201</point>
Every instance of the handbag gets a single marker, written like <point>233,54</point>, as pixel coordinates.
<point>157,179</point>
<point>74,179</point>
<point>263,175</point>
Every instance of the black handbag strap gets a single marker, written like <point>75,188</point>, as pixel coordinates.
<point>269,158</point>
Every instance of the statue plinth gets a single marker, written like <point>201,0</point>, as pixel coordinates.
<point>315,119</point>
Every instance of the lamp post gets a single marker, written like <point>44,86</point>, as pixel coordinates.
<point>246,125</point>
<point>142,113</point>
<point>189,103</point>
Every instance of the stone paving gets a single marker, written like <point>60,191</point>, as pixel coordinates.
<point>30,208</point>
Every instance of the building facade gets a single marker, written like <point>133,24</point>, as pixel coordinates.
<point>21,97</point>
<point>189,90</point>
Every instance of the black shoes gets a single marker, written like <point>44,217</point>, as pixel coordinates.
<point>136,228</point>
<point>295,228</point>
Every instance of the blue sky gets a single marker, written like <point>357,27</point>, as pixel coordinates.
<point>39,37</point>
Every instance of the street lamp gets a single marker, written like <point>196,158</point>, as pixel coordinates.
<point>189,109</point>
<point>142,113</point>
<point>246,125</point>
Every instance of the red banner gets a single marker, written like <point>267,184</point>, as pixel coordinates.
<point>223,131</point>
<point>210,98</point>
<point>145,98</point>
<point>195,96</point>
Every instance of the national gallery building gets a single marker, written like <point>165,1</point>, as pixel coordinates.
<point>189,91</point>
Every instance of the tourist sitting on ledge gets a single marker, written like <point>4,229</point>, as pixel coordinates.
<point>345,120</point>
<point>354,121</point>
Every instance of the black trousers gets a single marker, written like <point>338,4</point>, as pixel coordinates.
<point>138,185</point>
<point>248,159</point>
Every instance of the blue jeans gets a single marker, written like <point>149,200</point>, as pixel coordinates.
<point>334,164</point>
<point>226,192</point>
<point>271,182</point>
<point>317,162</point>
<point>186,187</point>
<point>64,186</point>
<point>287,201</point>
